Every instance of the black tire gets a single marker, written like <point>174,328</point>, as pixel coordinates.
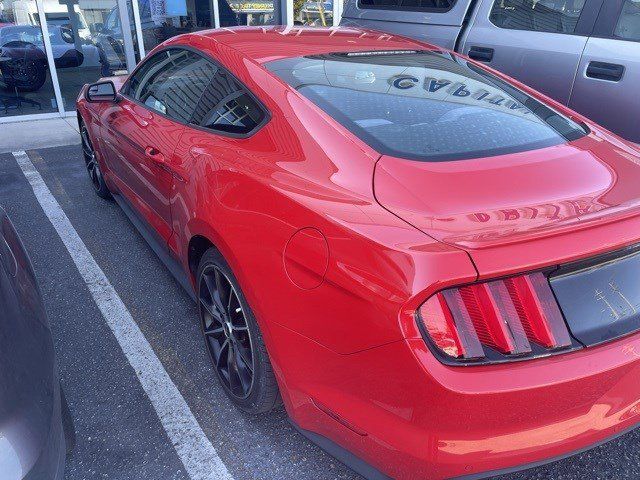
<point>92,165</point>
<point>260,394</point>
<point>31,76</point>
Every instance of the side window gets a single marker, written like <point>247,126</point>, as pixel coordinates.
<point>172,82</point>
<point>555,16</point>
<point>227,107</point>
<point>439,6</point>
<point>628,27</point>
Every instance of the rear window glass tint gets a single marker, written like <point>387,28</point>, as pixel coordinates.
<point>425,105</point>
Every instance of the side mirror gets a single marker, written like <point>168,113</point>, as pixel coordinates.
<point>101,92</point>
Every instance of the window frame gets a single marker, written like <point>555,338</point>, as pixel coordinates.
<point>408,9</point>
<point>584,27</point>
<point>124,92</point>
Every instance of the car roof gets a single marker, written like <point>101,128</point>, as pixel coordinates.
<point>264,44</point>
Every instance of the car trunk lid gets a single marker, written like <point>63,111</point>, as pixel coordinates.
<point>556,209</point>
<point>510,202</point>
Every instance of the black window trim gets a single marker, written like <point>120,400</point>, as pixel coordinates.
<point>124,91</point>
<point>399,8</point>
<point>584,27</point>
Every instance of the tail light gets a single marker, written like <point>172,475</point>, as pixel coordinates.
<point>508,319</point>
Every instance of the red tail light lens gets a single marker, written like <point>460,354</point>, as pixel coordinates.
<point>495,321</point>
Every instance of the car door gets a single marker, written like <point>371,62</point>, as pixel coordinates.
<point>606,86</point>
<point>538,42</point>
<point>142,129</point>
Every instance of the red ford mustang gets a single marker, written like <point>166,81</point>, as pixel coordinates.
<point>432,266</point>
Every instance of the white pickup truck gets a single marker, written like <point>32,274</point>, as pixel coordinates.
<point>583,53</point>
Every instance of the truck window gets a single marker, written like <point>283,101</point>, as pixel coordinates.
<point>439,6</point>
<point>556,16</point>
<point>628,27</point>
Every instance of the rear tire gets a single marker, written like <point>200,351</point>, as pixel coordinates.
<point>92,165</point>
<point>233,339</point>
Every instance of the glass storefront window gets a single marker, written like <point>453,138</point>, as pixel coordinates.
<point>25,81</point>
<point>313,13</point>
<point>163,19</point>
<point>249,12</point>
<point>87,42</point>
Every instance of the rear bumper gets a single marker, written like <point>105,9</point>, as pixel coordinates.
<point>506,471</point>
<point>409,416</point>
<point>371,473</point>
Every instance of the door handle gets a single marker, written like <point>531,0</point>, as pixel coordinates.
<point>158,159</point>
<point>481,54</point>
<point>605,71</point>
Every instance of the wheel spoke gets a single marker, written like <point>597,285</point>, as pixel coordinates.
<point>214,331</point>
<point>210,310</point>
<point>235,381</point>
<point>212,287</point>
<point>224,290</point>
<point>221,351</point>
<point>242,356</point>
<point>244,370</point>
<point>233,297</point>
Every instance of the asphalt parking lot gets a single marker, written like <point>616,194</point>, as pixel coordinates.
<point>119,433</point>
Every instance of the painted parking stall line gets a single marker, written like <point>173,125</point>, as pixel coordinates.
<point>194,449</point>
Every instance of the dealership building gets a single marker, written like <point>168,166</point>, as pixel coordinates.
<point>43,64</point>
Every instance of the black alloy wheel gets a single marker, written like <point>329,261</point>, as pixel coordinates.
<point>226,331</point>
<point>91,162</point>
<point>233,338</point>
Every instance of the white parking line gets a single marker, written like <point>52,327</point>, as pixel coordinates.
<point>196,452</point>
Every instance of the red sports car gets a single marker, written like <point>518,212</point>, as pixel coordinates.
<point>434,267</point>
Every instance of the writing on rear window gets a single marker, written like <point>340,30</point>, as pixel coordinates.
<point>425,105</point>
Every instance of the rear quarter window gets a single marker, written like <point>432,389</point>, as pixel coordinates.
<point>226,106</point>
<point>425,105</point>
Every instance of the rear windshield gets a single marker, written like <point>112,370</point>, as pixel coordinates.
<point>425,105</point>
